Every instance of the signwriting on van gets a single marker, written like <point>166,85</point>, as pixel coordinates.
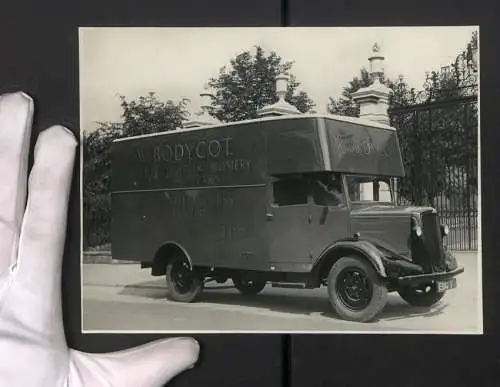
<point>358,148</point>
<point>203,161</point>
<point>200,150</point>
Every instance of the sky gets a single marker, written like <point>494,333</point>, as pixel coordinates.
<point>176,63</point>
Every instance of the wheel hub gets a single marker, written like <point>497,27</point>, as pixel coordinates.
<point>354,289</point>
<point>182,277</point>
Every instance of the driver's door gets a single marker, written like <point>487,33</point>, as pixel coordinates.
<point>328,225</point>
<point>330,214</point>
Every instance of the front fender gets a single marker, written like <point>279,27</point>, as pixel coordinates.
<point>361,247</point>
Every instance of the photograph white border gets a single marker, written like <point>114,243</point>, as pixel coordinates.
<point>479,312</point>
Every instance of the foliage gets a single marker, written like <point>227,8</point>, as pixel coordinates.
<point>96,177</point>
<point>142,116</point>
<point>248,84</point>
<point>149,115</point>
<point>440,140</point>
<point>345,105</point>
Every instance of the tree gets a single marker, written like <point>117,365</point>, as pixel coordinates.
<point>142,116</point>
<point>248,84</point>
<point>149,115</point>
<point>345,105</point>
<point>96,173</point>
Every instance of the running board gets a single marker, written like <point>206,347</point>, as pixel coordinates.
<point>288,285</point>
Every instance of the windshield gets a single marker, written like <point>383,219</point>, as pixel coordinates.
<point>369,189</point>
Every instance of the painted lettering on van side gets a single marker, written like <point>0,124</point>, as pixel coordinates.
<point>216,207</point>
<point>177,152</point>
<point>351,144</point>
<point>197,163</point>
<point>229,231</point>
<point>361,145</point>
<point>197,174</point>
<point>197,204</point>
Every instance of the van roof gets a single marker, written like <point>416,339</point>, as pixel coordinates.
<point>353,120</point>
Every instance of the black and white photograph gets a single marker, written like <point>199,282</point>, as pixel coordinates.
<point>280,180</point>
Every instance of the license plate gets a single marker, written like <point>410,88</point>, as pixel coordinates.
<point>443,286</point>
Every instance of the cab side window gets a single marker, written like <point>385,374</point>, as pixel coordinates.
<point>327,190</point>
<point>289,191</point>
<point>321,189</point>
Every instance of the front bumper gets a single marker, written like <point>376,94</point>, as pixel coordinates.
<point>426,278</point>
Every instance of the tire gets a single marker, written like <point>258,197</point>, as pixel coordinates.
<point>424,297</point>
<point>182,283</point>
<point>355,289</point>
<point>248,287</point>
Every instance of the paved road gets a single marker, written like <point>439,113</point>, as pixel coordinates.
<point>126,298</point>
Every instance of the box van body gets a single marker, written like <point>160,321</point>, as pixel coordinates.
<point>272,200</point>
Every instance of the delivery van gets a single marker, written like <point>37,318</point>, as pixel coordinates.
<point>297,201</point>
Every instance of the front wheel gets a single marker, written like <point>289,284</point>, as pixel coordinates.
<point>424,296</point>
<point>182,282</point>
<point>356,291</point>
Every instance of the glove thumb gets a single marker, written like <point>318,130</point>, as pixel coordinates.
<point>150,365</point>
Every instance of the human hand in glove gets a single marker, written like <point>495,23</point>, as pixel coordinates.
<point>33,349</point>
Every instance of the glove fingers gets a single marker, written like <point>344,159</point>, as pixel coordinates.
<point>150,365</point>
<point>16,115</point>
<point>44,225</point>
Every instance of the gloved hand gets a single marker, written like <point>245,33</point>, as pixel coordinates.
<point>33,350</point>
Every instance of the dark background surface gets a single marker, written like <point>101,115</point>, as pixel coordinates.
<point>39,55</point>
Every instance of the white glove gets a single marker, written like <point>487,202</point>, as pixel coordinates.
<point>33,350</point>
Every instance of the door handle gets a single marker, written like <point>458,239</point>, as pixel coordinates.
<point>269,216</point>
<point>309,219</point>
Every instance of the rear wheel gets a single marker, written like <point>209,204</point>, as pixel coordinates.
<point>356,290</point>
<point>248,287</point>
<point>182,282</point>
<point>425,295</point>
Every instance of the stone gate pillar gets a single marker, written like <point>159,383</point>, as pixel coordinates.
<point>281,107</point>
<point>373,102</point>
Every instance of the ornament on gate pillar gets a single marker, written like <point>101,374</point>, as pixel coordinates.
<point>373,100</point>
<point>281,107</point>
<point>202,118</point>
<point>376,63</point>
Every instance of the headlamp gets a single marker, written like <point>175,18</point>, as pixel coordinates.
<point>416,226</point>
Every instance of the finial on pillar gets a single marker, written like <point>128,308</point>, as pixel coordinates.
<point>377,63</point>
<point>281,86</point>
<point>281,107</point>
<point>373,100</point>
<point>202,118</point>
